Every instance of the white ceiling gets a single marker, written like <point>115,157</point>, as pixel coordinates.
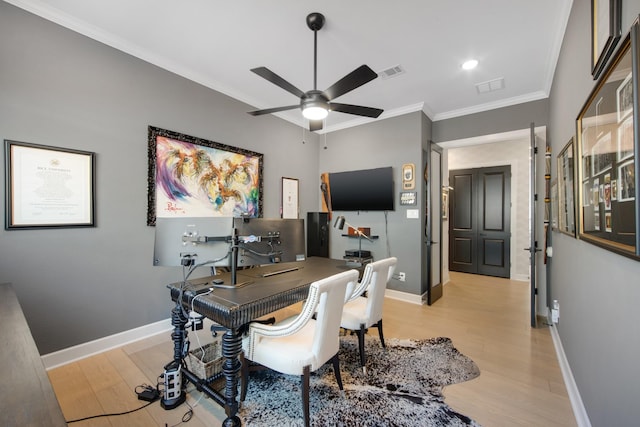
<point>216,43</point>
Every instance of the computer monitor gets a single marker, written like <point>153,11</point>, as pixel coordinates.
<point>193,241</point>
<point>266,241</point>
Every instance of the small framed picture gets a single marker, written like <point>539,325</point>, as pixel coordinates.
<point>289,201</point>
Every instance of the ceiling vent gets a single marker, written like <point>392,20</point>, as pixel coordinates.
<point>392,72</point>
<point>490,86</point>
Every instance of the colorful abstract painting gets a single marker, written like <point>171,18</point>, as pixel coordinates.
<point>191,177</point>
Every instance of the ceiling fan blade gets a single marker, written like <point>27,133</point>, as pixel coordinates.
<point>266,73</point>
<point>358,110</point>
<point>273,110</point>
<point>351,81</point>
<point>315,125</point>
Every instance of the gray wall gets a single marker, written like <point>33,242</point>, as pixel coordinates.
<point>390,142</point>
<point>598,291</point>
<point>62,89</point>
<point>499,120</point>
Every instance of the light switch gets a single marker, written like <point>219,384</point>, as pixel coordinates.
<point>413,213</point>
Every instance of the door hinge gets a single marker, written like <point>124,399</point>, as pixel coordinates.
<point>535,197</point>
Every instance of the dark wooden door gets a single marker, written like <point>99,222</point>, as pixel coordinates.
<point>480,222</point>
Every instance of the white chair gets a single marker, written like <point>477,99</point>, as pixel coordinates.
<point>362,312</point>
<point>302,344</point>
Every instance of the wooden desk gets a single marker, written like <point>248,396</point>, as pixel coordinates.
<point>233,308</point>
<point>26,395</point>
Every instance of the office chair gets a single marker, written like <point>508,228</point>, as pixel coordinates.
<point>301,344</point>
<point>362,312</point>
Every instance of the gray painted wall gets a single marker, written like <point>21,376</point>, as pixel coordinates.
<point>65,90</point>
<point>494,121</point>
<point>390,142</point>
<point>62,89</point>
<point>598,291</point>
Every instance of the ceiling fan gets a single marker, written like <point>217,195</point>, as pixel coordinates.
<point>316,104</point>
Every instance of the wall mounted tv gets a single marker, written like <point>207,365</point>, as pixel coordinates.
<point>362,190</point>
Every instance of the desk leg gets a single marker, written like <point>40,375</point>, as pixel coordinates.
<point>231,347</point>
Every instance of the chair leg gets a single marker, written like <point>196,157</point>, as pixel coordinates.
<point>379,325</point>
<point>305,394</point>
<point>336,370</point>
<point>360,333</point>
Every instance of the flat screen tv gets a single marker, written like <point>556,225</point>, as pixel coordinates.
<point>362,190</point>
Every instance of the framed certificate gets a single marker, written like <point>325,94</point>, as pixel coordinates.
<point>48,187</point>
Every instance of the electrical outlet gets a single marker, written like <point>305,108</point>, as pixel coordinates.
<point>402,277</point>
<point>555,311</point>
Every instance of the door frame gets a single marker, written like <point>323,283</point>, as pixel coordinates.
<point>477,233</point>
<point>519,134</point>
<point>433,203</point>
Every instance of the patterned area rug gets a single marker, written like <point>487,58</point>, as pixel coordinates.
<point>402,387</point>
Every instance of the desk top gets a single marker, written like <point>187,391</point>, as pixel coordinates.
<point>261,295</point>
<point>26,396</point>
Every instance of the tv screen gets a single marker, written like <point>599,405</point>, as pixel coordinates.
<point>362,190</point>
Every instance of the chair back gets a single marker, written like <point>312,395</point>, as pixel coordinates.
<point>330,294</point>
<point>377,274</point>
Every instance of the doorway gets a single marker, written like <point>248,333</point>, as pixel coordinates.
<point>480,221</point>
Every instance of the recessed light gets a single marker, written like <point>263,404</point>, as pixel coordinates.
<point>470,64</point>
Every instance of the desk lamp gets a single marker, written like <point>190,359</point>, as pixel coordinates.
<point>340,223</point>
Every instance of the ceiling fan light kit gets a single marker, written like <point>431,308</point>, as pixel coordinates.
<point>316,104</point>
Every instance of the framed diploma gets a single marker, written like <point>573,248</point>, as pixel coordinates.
<point>48,187</point>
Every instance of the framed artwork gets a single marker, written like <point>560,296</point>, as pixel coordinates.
<point>606,24</point>
<point>193,177</point>
<point>48,187</point>
<point>445,203</point>
<point>566,207</point>
<point>289,206</point>
<point>606,149</point>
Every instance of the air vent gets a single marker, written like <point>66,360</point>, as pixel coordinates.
<point>392,72</point>
<point>490,86</point>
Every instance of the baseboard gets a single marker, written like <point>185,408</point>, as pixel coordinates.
<point>81,351</point>
<point>404,296</point>
<point>520,277</point>
<point>582,419</point>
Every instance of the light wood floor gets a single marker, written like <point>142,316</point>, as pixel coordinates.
<point>487,318</point>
